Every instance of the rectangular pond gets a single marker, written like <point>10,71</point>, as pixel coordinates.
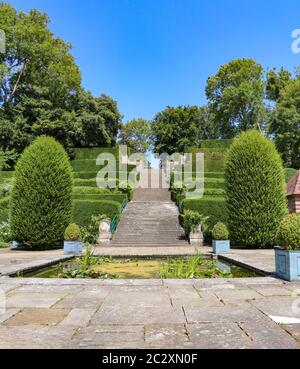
<point>195,267</point>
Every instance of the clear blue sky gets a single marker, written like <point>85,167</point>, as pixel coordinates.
<point>148,54</point>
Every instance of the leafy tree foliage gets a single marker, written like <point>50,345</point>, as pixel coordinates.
<point>40,89</point>
<point>176,129</point>
<point>285,125</point>
<point>136,134</point>
<point>236,97</point>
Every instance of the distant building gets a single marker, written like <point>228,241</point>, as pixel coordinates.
<point>293,194</point>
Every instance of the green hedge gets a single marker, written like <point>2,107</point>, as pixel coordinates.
<point>214,207</point>
<point>91,165</point>
<point>41,199</point>
<point>85,209</point>
<point>5,176</point>
<point>216,144</point>
<point>91,191</point>
<point>4,209</point>
<point>92,153</point>
<point>109,197</point>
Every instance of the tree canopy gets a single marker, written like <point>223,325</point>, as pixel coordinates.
<point>136,134</point>
<point>41,92</point>
<point>236,97</point>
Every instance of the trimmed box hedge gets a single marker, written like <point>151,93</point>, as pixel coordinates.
<point>110,197</point>
<point>214,207</point>
<point>85,209</point>
<point>92,153</point>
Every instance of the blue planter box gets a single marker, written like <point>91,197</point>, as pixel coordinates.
<point>221,247</point>
<point>287,264</point>
<point>72,248</point>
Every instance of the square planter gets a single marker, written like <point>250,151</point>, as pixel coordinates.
<point>287,264</point>
<point>73,247</point>
<point>221,247</point>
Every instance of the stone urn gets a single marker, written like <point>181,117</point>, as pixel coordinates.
<point>196,236</point>
<point>105,235</point>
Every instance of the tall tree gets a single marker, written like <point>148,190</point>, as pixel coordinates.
<point>177,129</point>
<point>136,134</point>
<point>236,97</point>
<point>276,82</point>
<point>285,124</point>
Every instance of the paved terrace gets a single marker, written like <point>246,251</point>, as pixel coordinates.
<point>241,313</point>
<point>231,313</point>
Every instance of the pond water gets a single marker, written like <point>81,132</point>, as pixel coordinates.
<point>144,269</point>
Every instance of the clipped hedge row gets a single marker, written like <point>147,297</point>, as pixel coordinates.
<point>92,153</point>
<point>85,209</point>
<point>289,174</point>
<point>90,165</point>
<point>214,207</point>
<point>108,197</point>
<point>216,144</point>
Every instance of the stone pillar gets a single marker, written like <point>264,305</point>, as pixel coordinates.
<point>105,235</point>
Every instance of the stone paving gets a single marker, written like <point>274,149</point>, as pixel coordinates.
<point>225,313</point>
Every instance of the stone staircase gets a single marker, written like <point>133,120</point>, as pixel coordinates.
<point>150,219</point>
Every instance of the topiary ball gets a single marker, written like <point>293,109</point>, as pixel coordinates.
<point>72,233</point>
<point>288,235</point>
<point>41,200</point>
<point>220,232</point>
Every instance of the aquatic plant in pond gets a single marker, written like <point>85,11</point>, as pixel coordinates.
<point>194,267</point>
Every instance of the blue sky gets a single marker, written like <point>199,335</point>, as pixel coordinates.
<point>148,54</point>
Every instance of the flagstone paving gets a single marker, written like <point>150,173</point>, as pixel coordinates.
<point>226,313</point>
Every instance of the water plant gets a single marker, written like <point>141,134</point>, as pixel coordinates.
<point>193,267</point>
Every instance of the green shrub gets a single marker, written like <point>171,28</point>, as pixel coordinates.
<point>191,220</point>
<point>4,209</point>
<point>5,232</point>
<point>85,209</point>
<point>288,235</point>
<point>212,207</point>
<point>255,185</point>
<point>91,231</point>
<point>72,233</point>
<point>41,200</point>
<point>220,232</point>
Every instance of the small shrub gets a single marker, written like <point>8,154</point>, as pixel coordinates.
<point>41,199</point>
<point>220,232</point>
<point>288,235</point>
<point>72,233</point>
<point>191,220</point>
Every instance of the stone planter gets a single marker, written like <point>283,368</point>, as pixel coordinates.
<point>105,235</point>
<point>221,247</point>
<point>287,264</point>
<point>196,237</point>
<point>73,247</point>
